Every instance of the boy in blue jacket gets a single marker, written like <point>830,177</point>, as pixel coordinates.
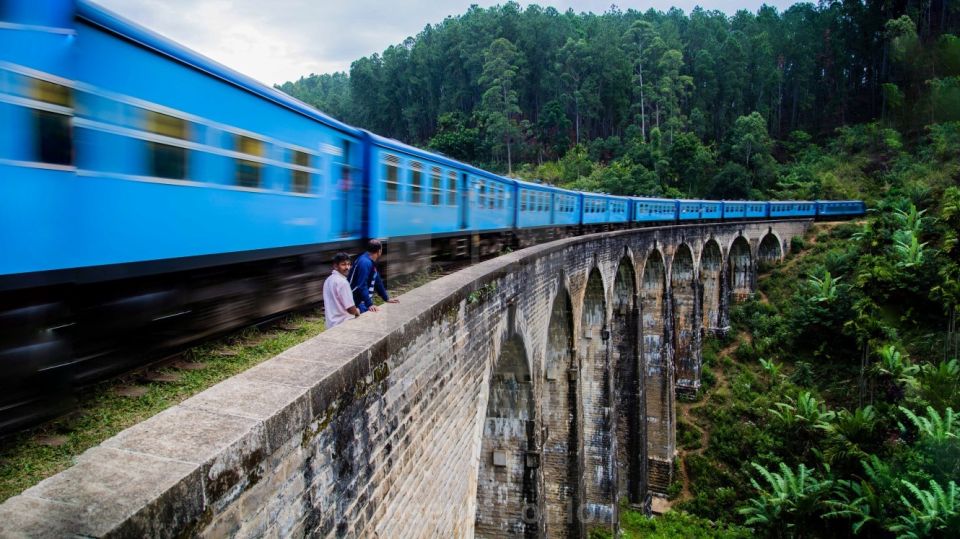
<point>365,279</point>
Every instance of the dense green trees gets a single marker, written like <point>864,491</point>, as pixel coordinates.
<point>720,100</point>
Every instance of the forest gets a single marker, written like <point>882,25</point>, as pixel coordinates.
<point>652,103</point>
<point>832,407</point>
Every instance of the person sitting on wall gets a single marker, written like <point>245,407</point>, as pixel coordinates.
<point>338,304</point>
<point>365,279</point>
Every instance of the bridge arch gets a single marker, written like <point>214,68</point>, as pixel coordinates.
<point>597,508</point>
<point>629,448</point>
<point>561,440</point>
<point>507,493</point>
<point>741,269</point>
<point>711,284</point>
<point>658,374</point>
<point>770,250</point>
<point>686,340</point>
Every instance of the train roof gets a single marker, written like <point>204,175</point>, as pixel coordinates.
<point>398,146</point>
<point>654,200</point>
<point>99,16</point>
<point>533,185</point>
<point>851,201</point>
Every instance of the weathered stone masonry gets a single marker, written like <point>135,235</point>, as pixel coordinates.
<point>524,396</point>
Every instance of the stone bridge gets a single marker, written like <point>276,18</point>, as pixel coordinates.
<point>529,395</point>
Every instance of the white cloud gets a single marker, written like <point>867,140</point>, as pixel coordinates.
<point>284,39</point>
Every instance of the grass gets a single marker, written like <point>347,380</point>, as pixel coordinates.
<point>673,524</point>
<point>102,412</point>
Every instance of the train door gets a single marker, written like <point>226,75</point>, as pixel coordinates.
<point>464,201</point>
<point>346,188</point>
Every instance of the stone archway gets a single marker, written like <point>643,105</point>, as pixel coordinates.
<point>507,495</point>
<point>629,447</point>
<point>741,272</point>
<point>658,379</point>
<point>711,273</point>
<point>686,338</point>
<point>597,509</point>
<point>769,253</point>
<point>561,463</point>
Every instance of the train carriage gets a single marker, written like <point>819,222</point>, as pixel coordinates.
<point>743,209</point>
<point>654,210</point>
<point>594,209</point>
<point>159,165</point>
<point>791,208</point>
<point>696,210</point>
<point>491,204</point>
<point>827,209</point>
<point>413,193</point>
<point>619,210</point>
<point>535,205</point>
<point>566,207</point>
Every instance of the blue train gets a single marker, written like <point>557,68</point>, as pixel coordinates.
<point>150,195</point>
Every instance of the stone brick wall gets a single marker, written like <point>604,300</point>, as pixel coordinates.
<point>456,413</point>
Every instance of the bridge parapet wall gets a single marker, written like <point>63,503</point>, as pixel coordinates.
<point>429,418</point>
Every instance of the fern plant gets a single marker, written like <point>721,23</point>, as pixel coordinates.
<point>849,433</point>
<point>788,499</point>
<point>865,502</point>
<point>936,512</point>
<point>933,427</point>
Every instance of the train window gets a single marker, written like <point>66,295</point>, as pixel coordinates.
<point>248,172</point>
<point>523,201</point>
<point>451,188</point>
<point>301,178</point>
<point>492,201</point>
<point>167,160</point>
<point>391,177</point>
<point>53,129</point>
<point>436,177</point>
<point>416,182</point>
<point>481,194</point>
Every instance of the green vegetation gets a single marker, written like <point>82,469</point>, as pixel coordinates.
<point>837,414</point>
<point>104,411</point>
<point>665,103</point>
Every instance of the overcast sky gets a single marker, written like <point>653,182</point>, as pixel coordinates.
<point>280,40</point>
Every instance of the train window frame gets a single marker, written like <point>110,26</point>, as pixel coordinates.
<point>54,142</point>
<point>300,178</point>
<point>436,186</point>
<point>391,191</point>
<point>249,173</point>
<point>416,182</point>
<point>168,161</point>
<point>451,188</point>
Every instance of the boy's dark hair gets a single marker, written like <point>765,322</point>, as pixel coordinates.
<point>340,257</point>
<point>374,246</point>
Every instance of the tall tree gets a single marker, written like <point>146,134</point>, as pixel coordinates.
<point>500,72</point>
